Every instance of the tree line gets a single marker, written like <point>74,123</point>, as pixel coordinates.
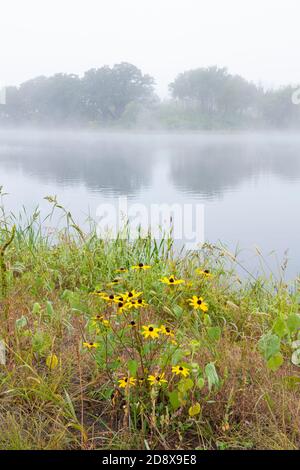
<point>122,96</point>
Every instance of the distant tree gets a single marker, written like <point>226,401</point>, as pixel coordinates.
<point>214,92</point>
<point>278,110</point>
<point>54,99</point>
<point>108,91</point>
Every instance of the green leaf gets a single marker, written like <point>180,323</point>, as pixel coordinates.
<point>200,383</point>
<point>36,309</point>
<point>50,310</point>
<point>293,322</point>
<point>212,375</point>
<point>21,322</point>
<point>195,410</point>
<point>275,362</point>
<point>214,333</point>
<point>185,385</point>
<point>132,367</point>
<point>174,400</point>
<point>269,345</point>
<point>279,327</point>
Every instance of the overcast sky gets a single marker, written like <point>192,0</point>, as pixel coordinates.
<point>258,39</point>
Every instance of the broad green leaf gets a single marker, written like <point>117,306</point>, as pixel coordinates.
<point>279,327</point>
<point>212,375</point>
<point>195,409</point>
<point>275,361</point>
<point>50,310</point>
<point>214,333</point>
<point>132,367</point>
<point>21,322</point>
<point>185,385</point>
<point>269,345</point>
<point>200,383</point>
<point>293,322</point>
<point>174,400</point>
<point>36,308</point>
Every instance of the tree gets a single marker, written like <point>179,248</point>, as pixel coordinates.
<point>108,91</point>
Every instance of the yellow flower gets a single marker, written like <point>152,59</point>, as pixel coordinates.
<point>127,382</point>
<point>141,267</point>
<point>52,361</point>
<point>157,379</point>
<point>150,330</point>
<point>122,270</point>
<point>114,282</point>
<point>198,303</point>
<point>180,370</point>
<point>132,294</point>
<point>91,345</point>
<point>99,319</point>
<point>132,324</point>
<point>203,272</point>
<point>166,330</point>
<point>171,281</point>
<point>122,306</point>
<point>137,303</point>
<point>107,297</point>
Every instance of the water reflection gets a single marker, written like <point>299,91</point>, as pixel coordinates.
<point>201,166</point>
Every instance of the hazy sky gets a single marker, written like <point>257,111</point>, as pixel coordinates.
<point>258,39</point>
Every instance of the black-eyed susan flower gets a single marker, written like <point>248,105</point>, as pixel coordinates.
<point>99,319</point>
<point>204,272</point>
<point>198,303</point>
<point>91,345</point>
<point>181,370</point>
<point>157,379</point>
<point>114,282</point>
<point>122,306</point>
<point>150,331</point>
<point>137,303</point>
<point>107,297</point>
<point>132,324</point>
<point>171,281</point>
<point>122,270</point>
<point>141,267</point>
<point>166,330</point>
<point>133,294</point>
<point>127,382</point>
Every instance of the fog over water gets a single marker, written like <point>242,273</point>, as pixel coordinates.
<point>249,184</point>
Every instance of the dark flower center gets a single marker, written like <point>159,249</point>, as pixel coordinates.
<point>168,329</point>
<point>115,281</point>
<point>121,299</point>
<point>141,265</point>
<point>206,271</point>
<point>158,378</point>
<point>171,279</point>
<point>140,301</point>
<point>180,368</point>
<point>91,344</point>
<point>132,323</point>
<point>199,302</point>
<point>130,294</point>
<point>125,380</point>
<point>150,328</point>
<point>120,304</point>
<point>111,297</point>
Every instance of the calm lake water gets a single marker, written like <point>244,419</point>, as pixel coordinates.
<point>249,184</point>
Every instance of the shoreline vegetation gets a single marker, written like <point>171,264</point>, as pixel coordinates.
<point>123,345</point>
<point>123,97</point>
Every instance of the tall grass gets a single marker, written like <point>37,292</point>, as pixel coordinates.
<point>242,387</point>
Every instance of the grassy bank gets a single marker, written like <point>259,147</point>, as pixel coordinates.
<point>119,345</point>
